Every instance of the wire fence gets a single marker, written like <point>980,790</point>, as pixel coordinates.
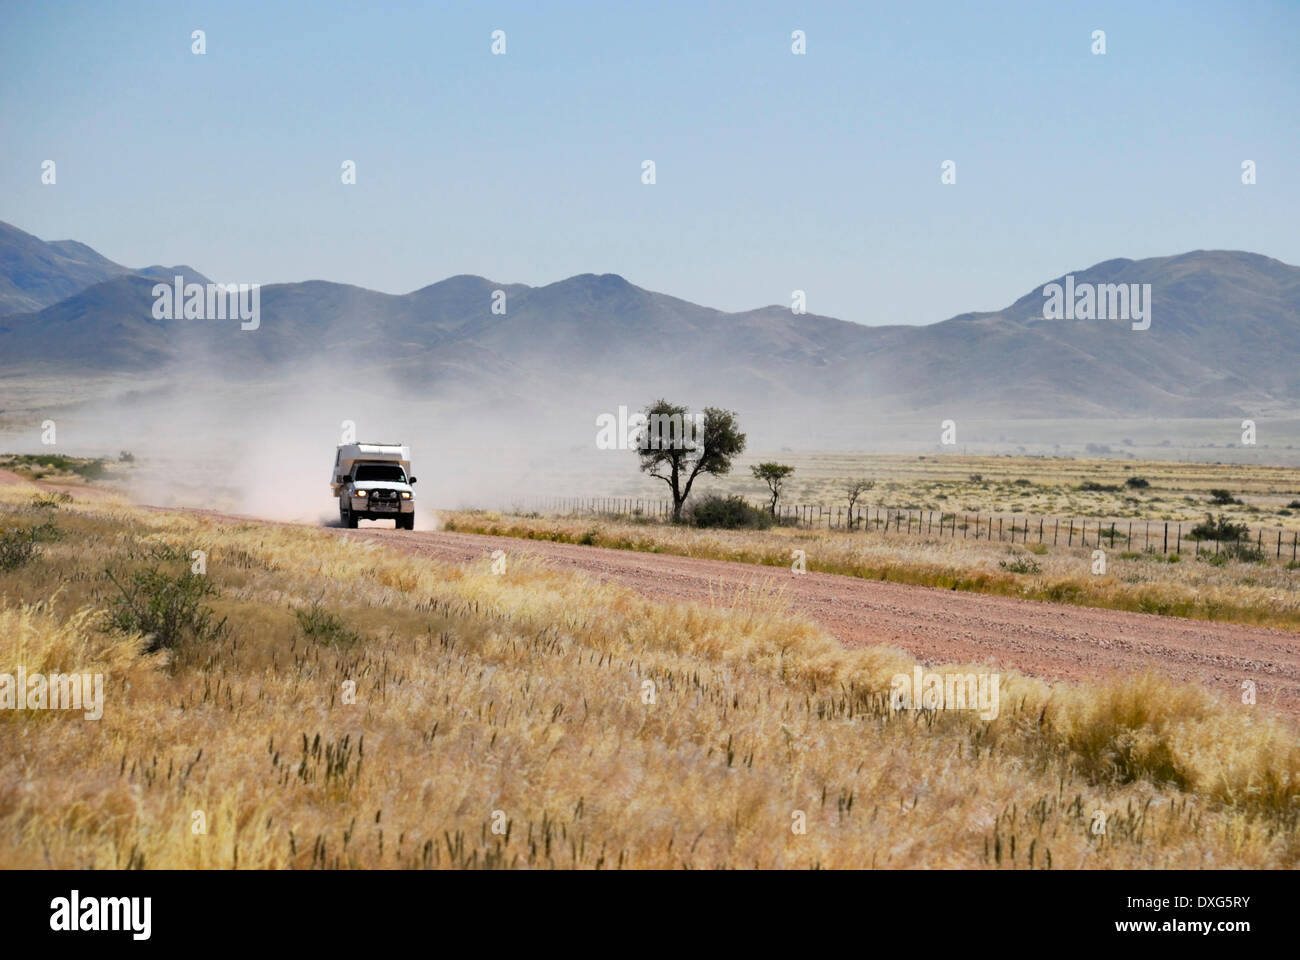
<point>1149,536</point>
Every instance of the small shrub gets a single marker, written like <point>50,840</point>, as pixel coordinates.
<point>1092,486</point>
<point>126,456</point>
<point>167,610</point>
<point>1294,504</point>
<point>1218,528</point>
<point>1020,564</point>
<point>45,532</point>
<point>729,513</point>
<point>17,549</point>
<point>1223,498</point>
<point>321,625</point>
<point>1136,483</point>
<point>50,501</point>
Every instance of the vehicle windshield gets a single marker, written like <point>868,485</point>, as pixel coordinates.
<point>380,471</point>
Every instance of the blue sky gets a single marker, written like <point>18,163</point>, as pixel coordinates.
<point>775,172</point>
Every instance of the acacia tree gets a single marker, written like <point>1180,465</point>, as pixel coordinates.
<point>705,443</point>
<point>855,487</point>
<point>774,475</point>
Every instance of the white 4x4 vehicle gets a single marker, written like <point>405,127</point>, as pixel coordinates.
<point>373,482</point>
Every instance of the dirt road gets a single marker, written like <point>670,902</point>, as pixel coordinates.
<point>1054,641</point>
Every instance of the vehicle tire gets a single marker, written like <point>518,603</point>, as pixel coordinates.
<point>347,517</point>
<point>406,521</point>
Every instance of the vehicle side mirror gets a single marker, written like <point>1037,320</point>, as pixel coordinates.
<point>340,479</point>
<point>412,480</point>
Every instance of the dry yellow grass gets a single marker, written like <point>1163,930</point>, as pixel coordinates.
<point>523,693</point>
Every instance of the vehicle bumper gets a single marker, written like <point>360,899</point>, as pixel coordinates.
<point>364,509</point>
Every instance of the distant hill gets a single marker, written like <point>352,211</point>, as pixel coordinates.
<point>1224,340</point>
<point>35,274</point>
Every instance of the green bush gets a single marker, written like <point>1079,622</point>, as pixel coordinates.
<point>729,513</point>
<point>167,610</point>
<point>317,623</point>
<point>91,469</point>
<point>1136,483</point>
<point>1020,564</point>
<point>1219,528</point>
<point>17,548</point>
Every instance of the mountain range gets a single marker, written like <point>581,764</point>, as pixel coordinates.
<point>1224,340</point>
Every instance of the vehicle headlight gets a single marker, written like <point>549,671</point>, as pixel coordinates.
<point>359,493</point>
<point>406,494</point>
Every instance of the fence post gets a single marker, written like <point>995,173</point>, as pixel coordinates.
<point>1040,530</point>
<point>1071,541</point>
<point>999,529</point>
<point>1179,548</point>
